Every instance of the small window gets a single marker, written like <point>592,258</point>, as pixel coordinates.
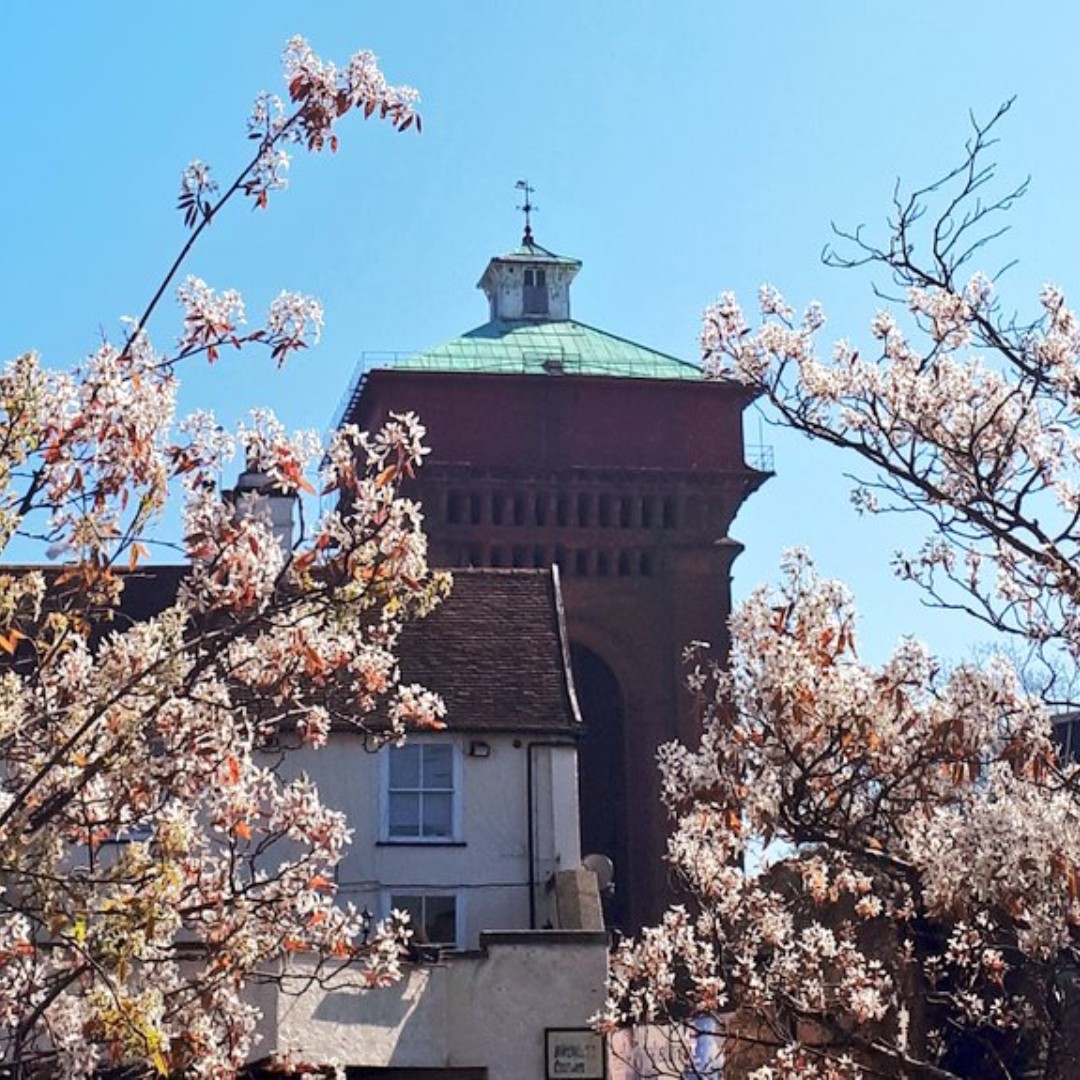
<point>670,521</point>
<point>1066,733</point>
<point>534,293</point>
<point>421,792</point>
<point>694,518</point>
<point>605,511</point>
<point>434,916</point>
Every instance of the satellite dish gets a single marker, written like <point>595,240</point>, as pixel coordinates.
<point>602,867</point>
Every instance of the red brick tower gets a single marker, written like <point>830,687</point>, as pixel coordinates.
<point>556,443</point>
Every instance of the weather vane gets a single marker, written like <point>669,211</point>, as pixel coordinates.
<point>527,208</point>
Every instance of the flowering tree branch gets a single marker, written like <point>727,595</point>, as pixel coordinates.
<point>962,415</point>
<point>915,910</point>
<point>158,851</point>
<point>920,888</point>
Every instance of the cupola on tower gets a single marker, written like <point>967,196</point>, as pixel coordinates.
<point>555,443</point>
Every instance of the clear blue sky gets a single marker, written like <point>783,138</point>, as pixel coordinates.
<point>678,148</point>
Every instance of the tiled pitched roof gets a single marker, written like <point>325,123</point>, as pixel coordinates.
<point>148,592</point>
<point>496,651</point>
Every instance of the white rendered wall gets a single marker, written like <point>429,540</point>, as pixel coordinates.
<point>487,867</point>
<point>486,1009</point>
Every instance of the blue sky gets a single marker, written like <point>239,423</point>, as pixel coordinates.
<point>678,148</point>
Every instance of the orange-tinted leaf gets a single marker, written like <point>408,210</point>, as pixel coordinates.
<point>303,562</point>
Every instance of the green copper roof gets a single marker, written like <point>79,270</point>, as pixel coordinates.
<point>533,252</point>
<point>548,348</point>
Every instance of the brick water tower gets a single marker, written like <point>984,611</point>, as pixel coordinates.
<point>553,442</point>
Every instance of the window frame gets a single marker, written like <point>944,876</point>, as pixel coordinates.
<point>1065,733</point>
<point>456,796</point>
<point>426,893</point>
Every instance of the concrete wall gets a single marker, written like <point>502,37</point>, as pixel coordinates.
<point>484,1009</point>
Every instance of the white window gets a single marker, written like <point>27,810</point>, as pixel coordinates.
<point>433,916</point>
<point>421,792</point>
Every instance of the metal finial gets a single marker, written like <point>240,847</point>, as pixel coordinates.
<point>527,209</point>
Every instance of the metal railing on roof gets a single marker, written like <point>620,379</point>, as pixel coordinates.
<point>369,361</point>
<point>759,456</point>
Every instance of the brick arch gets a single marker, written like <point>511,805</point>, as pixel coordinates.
<point>602,770</point>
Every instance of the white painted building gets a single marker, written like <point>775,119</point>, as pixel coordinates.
<point>474,831</point>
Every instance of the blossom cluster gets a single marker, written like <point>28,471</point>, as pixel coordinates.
<point>320,93</point>
<point>918,830</point>
<point>157,853</point>
<point>886,860</point>
<point>973,423</point>
<point>163,857</point>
